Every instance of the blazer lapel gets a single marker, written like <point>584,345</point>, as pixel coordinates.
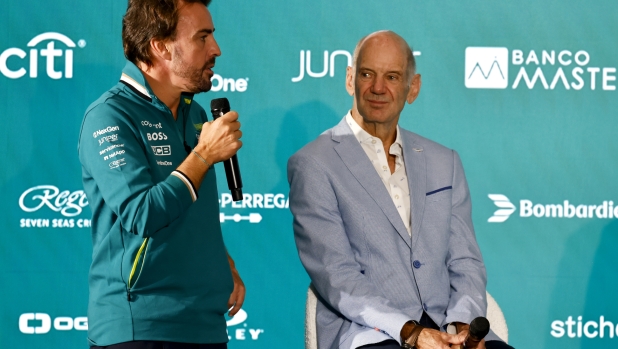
<point>355,159</point>
<point>416,169</point>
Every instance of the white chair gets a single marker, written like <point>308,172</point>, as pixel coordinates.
<point>494,315</point>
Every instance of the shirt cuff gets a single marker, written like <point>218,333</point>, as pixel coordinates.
<point>187,182</point>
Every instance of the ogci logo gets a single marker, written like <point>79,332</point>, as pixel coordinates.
<point>41,323</point>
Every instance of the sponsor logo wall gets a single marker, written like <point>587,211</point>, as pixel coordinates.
<point>533,119</point>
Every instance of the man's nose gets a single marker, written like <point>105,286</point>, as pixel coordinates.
<point>377,86</point>
<point>215,49</point>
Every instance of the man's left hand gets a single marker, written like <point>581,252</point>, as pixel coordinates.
<point>465,328</point>
<point>237,298</point>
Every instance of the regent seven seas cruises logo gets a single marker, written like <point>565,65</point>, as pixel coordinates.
<point>565,209</point>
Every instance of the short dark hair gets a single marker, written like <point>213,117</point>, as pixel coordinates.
<point>146,20</point>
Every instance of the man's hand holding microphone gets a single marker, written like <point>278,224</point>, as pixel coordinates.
<point>219,140</point>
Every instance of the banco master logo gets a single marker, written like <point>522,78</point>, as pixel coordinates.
<point>564,209</point>
<point>488,68</point>
<point>13,67</point>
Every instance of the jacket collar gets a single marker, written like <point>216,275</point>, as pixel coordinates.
<point>353,156</point>
<point>134,79</point>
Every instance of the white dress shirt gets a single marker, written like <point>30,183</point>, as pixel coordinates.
<point>396,183</point>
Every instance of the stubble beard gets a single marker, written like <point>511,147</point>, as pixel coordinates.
<point>196,81</point>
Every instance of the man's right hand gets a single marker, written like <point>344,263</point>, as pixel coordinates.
<point>434,339</point>
<point>220,139</point>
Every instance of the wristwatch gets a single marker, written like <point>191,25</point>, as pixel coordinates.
<point>409,334</point>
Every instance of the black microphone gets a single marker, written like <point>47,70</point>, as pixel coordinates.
<point>479,328</point>
<point>218,107</point>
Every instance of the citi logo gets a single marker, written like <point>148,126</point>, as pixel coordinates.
<point>41,323</point>
<point>12,67</point>
<point>488,67</point>
<point>605,210</point>
<point>328,64</point>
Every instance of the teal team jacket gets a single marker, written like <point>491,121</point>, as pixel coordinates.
<point>159,266</point>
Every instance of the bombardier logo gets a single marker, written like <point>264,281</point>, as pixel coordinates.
<point>505,208</point>
<point>565,209</point>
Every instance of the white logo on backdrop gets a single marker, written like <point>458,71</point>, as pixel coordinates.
<point>50,52</point>
<point>220,83</point>
<point>328,63</point>
<point>487,67</point>
<point>251,201</point>
<point>242,333</point>
<point>41,323</point>
<point>505,208</point>
<point>527,208</point>
<point>67,203</point>
<point>585,329</point>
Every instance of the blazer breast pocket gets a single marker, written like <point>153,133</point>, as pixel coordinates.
<point>439,194</point>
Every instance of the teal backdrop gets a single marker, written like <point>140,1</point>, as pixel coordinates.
<point>525,91</point>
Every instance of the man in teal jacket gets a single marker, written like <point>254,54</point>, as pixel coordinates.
<point>160,275</point>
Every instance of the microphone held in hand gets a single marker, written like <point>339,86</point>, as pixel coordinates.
<point>479,328</point>
<point>218,107</point>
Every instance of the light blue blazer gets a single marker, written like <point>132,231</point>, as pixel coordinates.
<point>371,277</point>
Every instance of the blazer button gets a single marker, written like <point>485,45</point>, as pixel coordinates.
<point>416,264</point>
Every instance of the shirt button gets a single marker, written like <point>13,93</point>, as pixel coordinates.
<point>373,141</point>
<point>384,167</point>
<point>416,264</point>
<point>396,196</point>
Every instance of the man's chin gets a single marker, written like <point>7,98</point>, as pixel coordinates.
<point>202,87</point>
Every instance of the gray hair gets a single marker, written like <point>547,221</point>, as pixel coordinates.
<point>410,69</point>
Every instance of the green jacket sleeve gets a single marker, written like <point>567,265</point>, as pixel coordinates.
<point>123,174</point>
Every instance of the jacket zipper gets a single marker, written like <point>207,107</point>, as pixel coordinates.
<point>142,250</point>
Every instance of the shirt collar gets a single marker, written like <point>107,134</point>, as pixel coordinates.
<point>133,78</point>
<point>362,136</point>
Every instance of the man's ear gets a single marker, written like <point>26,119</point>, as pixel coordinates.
<point>349,80</point>
<point>160,49</point>
<point>415,88</point>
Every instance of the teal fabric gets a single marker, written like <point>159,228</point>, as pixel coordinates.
<point>129,145</point>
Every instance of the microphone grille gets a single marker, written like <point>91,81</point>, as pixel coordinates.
<point>220,104</point>
<point>479,327</point>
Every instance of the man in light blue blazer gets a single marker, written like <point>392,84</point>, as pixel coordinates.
<point>382,219</point>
